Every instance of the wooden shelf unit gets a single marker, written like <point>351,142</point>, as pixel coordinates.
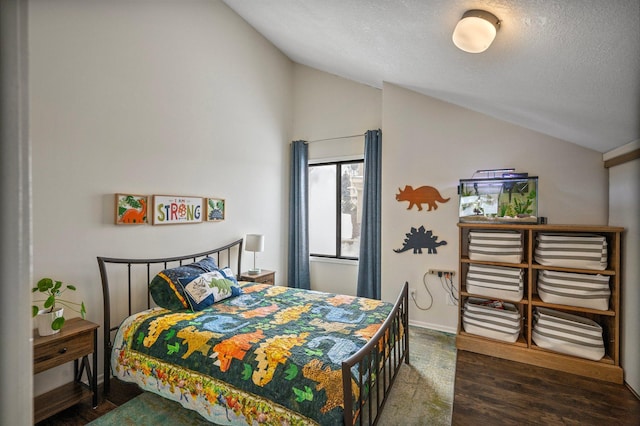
<point>525,350</point>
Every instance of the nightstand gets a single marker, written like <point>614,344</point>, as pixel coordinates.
<point>264,277</point>
<point>77,339</point>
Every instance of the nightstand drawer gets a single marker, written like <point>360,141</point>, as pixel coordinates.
<point>60,351</point>
<point>263,277</point>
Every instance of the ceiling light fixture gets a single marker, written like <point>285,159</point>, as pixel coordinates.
<point>475,31</point>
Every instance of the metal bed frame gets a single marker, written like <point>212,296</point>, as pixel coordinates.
<point>377,363</point>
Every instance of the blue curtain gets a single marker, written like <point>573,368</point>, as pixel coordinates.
<point>369,275</point>
<point>298,267</point>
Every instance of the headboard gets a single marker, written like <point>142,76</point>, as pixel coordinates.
<point>132,278</point>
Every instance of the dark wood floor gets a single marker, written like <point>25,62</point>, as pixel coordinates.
<point>488,390</point>
<point>500,392</point>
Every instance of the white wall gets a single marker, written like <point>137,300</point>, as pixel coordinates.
<point>624,205</point>
<point>326,106</point>
<point>162,97</point>
<point>429,142</point>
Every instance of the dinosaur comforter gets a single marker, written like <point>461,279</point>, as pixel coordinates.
<point>270,355</point>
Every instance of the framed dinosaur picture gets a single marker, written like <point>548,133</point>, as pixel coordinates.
<point>215,209</point>
<point>131,209</point>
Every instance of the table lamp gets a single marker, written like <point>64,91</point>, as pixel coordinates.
<point>254,243</point>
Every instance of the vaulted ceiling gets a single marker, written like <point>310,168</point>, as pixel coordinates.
<point>566,68</point>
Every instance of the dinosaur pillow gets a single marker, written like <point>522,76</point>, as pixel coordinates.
<point>228,274</point>
<point>166,290</point>
<point>206,289</point>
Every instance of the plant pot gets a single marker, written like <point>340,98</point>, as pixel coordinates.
<point>44,319</point>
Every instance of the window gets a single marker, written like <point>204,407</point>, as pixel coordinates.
<point>335,208</point>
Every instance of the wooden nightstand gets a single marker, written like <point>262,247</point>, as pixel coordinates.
<point>77,339</point>
<point>265,277</point>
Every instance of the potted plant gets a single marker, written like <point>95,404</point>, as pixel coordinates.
<point>50,319</point>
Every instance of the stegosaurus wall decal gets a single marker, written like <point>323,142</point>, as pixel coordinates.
<point>420,238</point>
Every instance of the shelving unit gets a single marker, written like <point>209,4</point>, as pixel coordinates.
<point>524,349</point>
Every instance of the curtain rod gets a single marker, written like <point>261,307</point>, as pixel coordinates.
<point>339,137</point>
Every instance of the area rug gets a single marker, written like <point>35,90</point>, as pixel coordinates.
<point>149,409</point>
<point>421,395</point>
<point>423,391</point>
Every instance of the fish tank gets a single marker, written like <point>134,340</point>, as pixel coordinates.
<point>507,198</point>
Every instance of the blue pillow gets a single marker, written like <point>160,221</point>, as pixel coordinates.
<point>166,290</point>
<point>206,289</point>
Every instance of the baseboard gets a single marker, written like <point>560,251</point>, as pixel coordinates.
<point>633,391</point>
<point>436,327</point>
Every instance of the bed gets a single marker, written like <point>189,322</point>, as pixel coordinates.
<point>258,354</point>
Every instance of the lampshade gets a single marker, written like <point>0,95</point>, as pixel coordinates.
<point>476,31</point>
<point>254,242</point>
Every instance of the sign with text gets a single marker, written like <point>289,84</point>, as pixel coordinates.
<point>173,209</point>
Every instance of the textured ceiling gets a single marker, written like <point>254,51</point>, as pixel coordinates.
<point>566,68</point>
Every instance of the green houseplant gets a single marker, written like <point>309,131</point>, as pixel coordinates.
<point>52,290</point>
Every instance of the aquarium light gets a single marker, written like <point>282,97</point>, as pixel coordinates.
<point>515,175</point>
<point>493,172</point>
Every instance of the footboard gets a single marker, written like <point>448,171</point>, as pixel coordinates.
<point>376,365</point>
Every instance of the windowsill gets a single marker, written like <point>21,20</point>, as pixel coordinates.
<point>333,260</point>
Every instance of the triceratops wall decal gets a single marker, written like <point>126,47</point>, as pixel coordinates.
<point>421,195</point>
<point>420,238</point>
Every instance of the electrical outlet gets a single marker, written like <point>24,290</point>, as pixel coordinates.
<point>441,272</point>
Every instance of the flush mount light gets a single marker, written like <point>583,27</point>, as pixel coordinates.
<point>475,31</point>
